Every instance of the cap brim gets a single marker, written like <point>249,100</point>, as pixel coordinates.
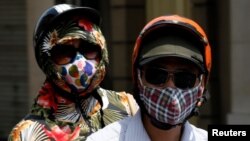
<point>171,50</point>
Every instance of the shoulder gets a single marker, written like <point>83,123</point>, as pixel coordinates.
<point>194,133</point>
<point>112,93</point>
<point>28,129</point>
<point>114,131</point>
<point>129,129</point>
<point>35,128</point>
<point>200,134</point>
<point>123,100</point>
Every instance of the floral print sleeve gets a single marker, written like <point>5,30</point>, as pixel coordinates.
<point>54,118</point>
<point>112,101</point>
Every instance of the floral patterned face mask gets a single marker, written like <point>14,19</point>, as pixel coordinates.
<point>169,105</point>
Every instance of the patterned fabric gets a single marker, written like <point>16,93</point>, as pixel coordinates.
<point>79,73</point>
<point>169,105</point>
<point>70,32</point>
<point>60,118</point>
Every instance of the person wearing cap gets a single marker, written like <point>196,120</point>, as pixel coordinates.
<point>171,67</point>
<point>71,51</point>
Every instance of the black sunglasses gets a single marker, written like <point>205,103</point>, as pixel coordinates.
<point>159,77</point>
<point>63,54</point>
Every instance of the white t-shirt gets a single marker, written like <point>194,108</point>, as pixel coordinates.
<point>131,129</point>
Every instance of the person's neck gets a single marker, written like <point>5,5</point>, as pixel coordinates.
<point>156,134</point>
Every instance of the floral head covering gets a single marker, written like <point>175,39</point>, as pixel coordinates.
<point>65,31</point>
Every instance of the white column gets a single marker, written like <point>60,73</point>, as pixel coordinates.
<point>240,64</point>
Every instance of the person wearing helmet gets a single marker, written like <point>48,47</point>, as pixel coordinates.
<point>171,67</point>
<point>71,51</point>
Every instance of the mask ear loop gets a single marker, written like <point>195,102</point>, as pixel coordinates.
<point>200,101</point>
<point>139,76</point>
<point>200,79</point>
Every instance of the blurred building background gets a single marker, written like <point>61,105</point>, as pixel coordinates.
<point>227,23</point>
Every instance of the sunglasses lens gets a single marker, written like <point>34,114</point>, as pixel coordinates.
<point>90,51</point>
<point>62,54</point>
<point>184,80</point>
<point>155,76</point>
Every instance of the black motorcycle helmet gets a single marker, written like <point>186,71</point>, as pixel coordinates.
<point>56,14</point>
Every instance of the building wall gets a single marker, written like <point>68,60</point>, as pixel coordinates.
<point>35,75</point>
<point>13,64</point>
<point>127,19</point>
<point>19,74</point>
<point>239,41</point>
<point>226,23</point>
